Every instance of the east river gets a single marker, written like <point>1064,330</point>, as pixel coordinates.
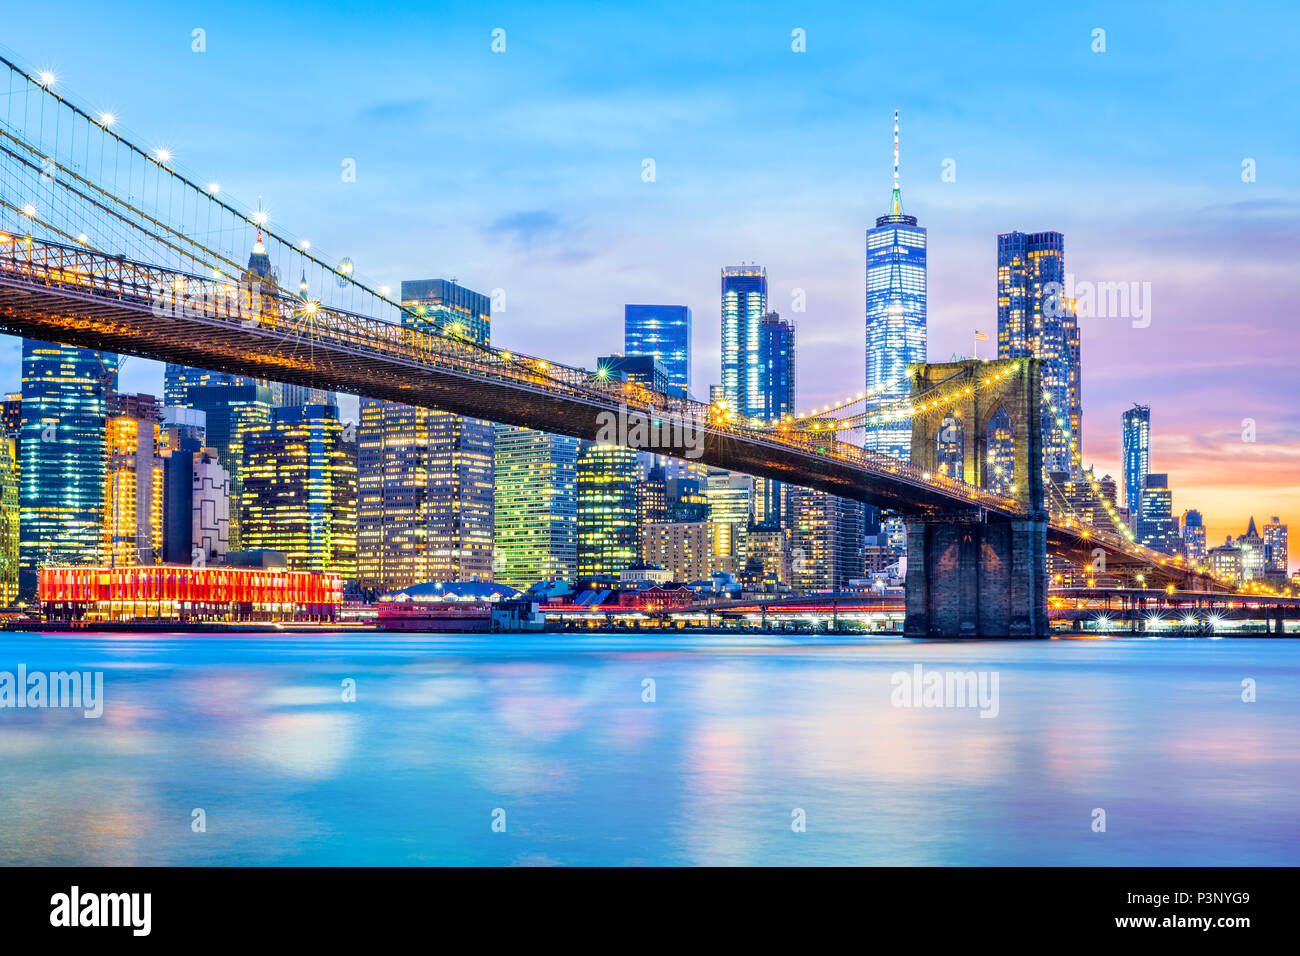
<point>644,749</point>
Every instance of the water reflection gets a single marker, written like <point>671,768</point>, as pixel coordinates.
<point>554,731</point>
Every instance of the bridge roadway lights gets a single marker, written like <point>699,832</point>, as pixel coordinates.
<point>976,576</point>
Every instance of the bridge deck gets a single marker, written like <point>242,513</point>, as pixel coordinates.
<point>65,293</point>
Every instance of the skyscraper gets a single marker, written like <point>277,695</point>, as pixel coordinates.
<point>1254,553</point>
<point>1035,320</point>
<point>744,303</point>
<point>731,509</point>
<point>299,491</point>
<point>442,305</point>
<point>643,369</point>
<point>63,461</point>
<point>536,523</point>
<point>133,485</point>
<point>606,478</point>
<point>179,379</point>
<point>1193,532</point>
<point>1155,526</point>
<point>426,476</point>
<point>9,511</point>
<point>825,534</point>
<point>425,509</point>
<point>230,412</point>
<point>895,316</point>
<point>776,362</point>
<point>1276,545</point>
<point>1135,425</point>
<point>663,331</point>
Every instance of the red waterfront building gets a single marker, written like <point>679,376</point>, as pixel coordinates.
<point>184,593</point>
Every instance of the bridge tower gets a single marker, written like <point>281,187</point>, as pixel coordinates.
<point>972,573</point>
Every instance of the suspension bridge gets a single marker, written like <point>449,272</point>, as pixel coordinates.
<point>108,245</point>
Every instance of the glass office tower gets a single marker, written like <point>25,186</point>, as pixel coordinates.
<point>663,331</point>
<point>744,303</point>
<point>606,479</point>
<point>536,530</point>
<point>425,509</point>
<point>1035,320</point>
<point>299,490</point>
<point>63,456</point>
<point>776,358</point>
<point>1135,435</point>
<point>896,317</point>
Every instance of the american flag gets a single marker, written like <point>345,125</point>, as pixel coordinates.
<point>981,337</point>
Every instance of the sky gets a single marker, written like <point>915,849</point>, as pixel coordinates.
<point>522,170</point>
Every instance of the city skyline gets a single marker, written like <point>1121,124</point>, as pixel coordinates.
<point>1175,214</point>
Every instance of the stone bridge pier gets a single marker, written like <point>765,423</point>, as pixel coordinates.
<point>977,574</point>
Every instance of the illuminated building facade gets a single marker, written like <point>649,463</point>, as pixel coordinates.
<point>1226,562</point>
<point>684,548</point>
<point>300,490</point>
<point>443,306</point>
<point>426,477</point>
<point>1034,319</point>
<point>133,483</point>
<point>895,317</point>
<point>187,593</point>
<point>179,379</point>
<point>9,510</point>
<point>767,558</point>
<point>63,463</point>
<point>744,303</point>
<point>1135,436</point>
<point>663,331</point>
<point>652,496</point>
<point>731,509</point>
<point>536,508</point>
<point>1155,525</point>
<point>825,535</point>
<point>1254,553</point>
<point>426,498</point>
<point>1193,533</point>
<point>606,477</point>
<point>1276,543</point>
<point>230,413</point>
<point>11,414</point>
<point>776,358</point>
<point>644,370</point>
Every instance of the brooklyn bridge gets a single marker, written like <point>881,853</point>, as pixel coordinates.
<point>107,245</point>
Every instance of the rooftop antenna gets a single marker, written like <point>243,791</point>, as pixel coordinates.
<point>898,197</point>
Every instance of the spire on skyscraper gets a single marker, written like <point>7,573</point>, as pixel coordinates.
<point>898,196</point>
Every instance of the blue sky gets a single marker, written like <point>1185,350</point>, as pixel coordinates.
<point>522,171</point>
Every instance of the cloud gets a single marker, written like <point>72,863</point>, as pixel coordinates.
<point>526,228</point>
<point>394,111</point>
